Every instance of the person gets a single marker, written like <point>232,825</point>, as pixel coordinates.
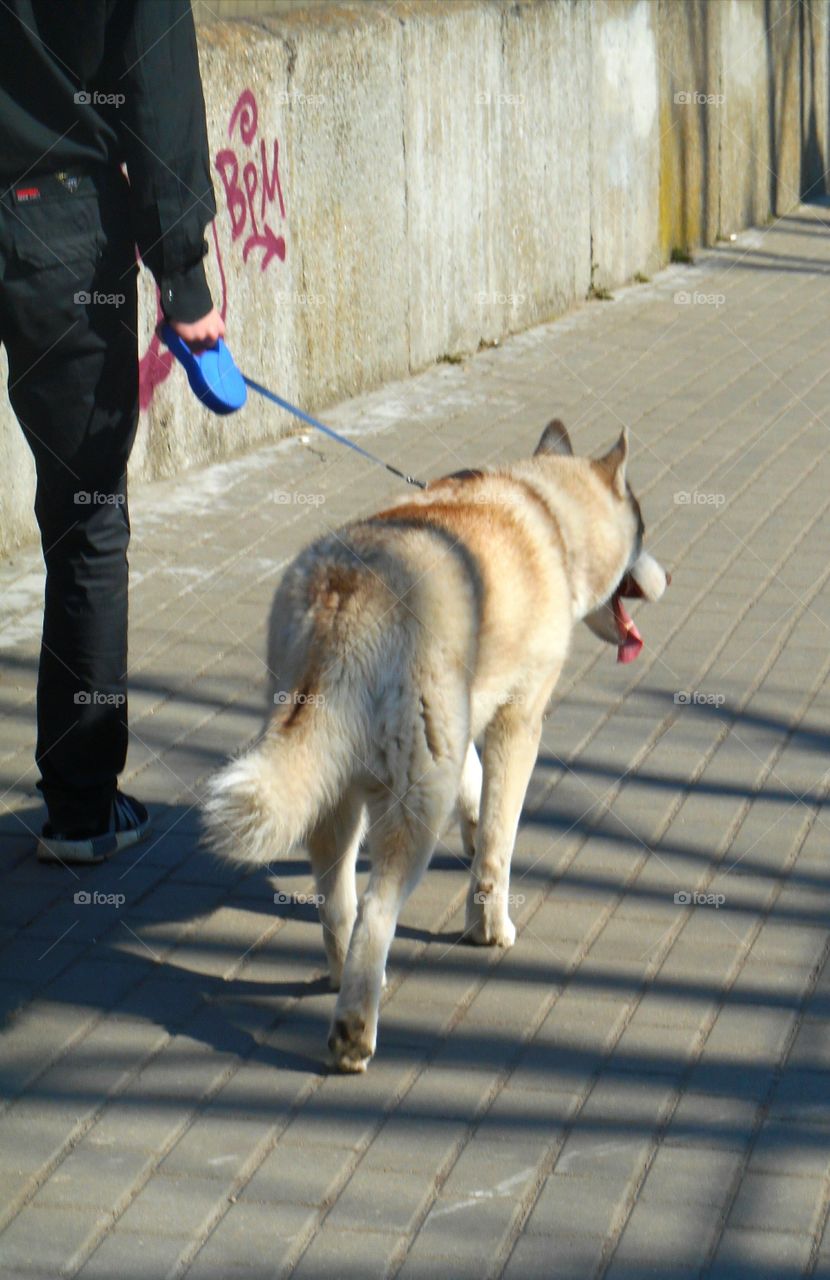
<point>87,88</point>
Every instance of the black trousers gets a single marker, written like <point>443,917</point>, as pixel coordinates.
<point>68,322</point>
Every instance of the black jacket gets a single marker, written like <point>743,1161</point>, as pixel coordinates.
<point>91,83</point>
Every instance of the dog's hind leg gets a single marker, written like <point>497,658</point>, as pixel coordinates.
<point>469,800</point>
<point>402,835</point>
<point>510,748</point>
<point>333,847</point>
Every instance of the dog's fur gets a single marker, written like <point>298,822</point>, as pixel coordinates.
<point>394,644</point>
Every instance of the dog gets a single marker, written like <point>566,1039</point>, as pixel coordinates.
<point>394,644</point>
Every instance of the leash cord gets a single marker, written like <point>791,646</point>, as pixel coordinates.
<point>329,431</point>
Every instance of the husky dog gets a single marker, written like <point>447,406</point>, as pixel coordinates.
<point>394,644</point>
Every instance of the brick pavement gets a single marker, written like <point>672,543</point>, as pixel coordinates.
<point>639,1087</point>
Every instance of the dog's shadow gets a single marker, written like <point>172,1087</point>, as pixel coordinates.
<point>149,958</point>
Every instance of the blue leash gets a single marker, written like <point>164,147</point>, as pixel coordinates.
<point>220,385</point>
<point>329,431</point>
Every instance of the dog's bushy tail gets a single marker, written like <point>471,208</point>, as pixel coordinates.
<point>263,803</point>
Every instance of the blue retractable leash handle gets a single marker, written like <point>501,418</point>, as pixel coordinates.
<point>212,374</point>
<point>218,383</point>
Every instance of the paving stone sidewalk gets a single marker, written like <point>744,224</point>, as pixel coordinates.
<point>639,1088</point>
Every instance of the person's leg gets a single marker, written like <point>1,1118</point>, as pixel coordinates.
<point>68,319</point>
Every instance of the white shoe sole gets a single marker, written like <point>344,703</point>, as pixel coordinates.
<point>90,851</point>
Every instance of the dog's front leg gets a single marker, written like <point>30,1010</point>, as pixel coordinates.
<point>511,745</point>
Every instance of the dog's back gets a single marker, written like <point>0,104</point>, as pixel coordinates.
<point>391,642</point>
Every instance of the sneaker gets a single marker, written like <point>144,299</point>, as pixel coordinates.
<point>128,824</point>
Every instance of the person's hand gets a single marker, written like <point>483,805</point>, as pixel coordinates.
<point>201,333</point>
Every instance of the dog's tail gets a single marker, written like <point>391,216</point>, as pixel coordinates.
<point>267,800</point>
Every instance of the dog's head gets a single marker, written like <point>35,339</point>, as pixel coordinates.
<point>629,571</point>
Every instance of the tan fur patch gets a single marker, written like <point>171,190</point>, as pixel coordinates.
<point>549,515</point>
<point>467,522</point>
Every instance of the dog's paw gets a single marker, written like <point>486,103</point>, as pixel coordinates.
<point>488,924</point>
<point>350,1045</point>
<point>485,933</point>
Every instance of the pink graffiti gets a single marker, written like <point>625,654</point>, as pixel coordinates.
<point>247,113</point>
<point>240,195</point>
<point>250,197</point>
<point>155,365</point>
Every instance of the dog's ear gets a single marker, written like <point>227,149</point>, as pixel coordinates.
<point>555,439</point>
<point>613,464</point>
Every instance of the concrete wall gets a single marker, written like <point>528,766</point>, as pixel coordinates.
<point>742,84</point>
<point>815,107</point>
<point>625,140</point>
<point>401,182</point>
<point>690,123</point>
